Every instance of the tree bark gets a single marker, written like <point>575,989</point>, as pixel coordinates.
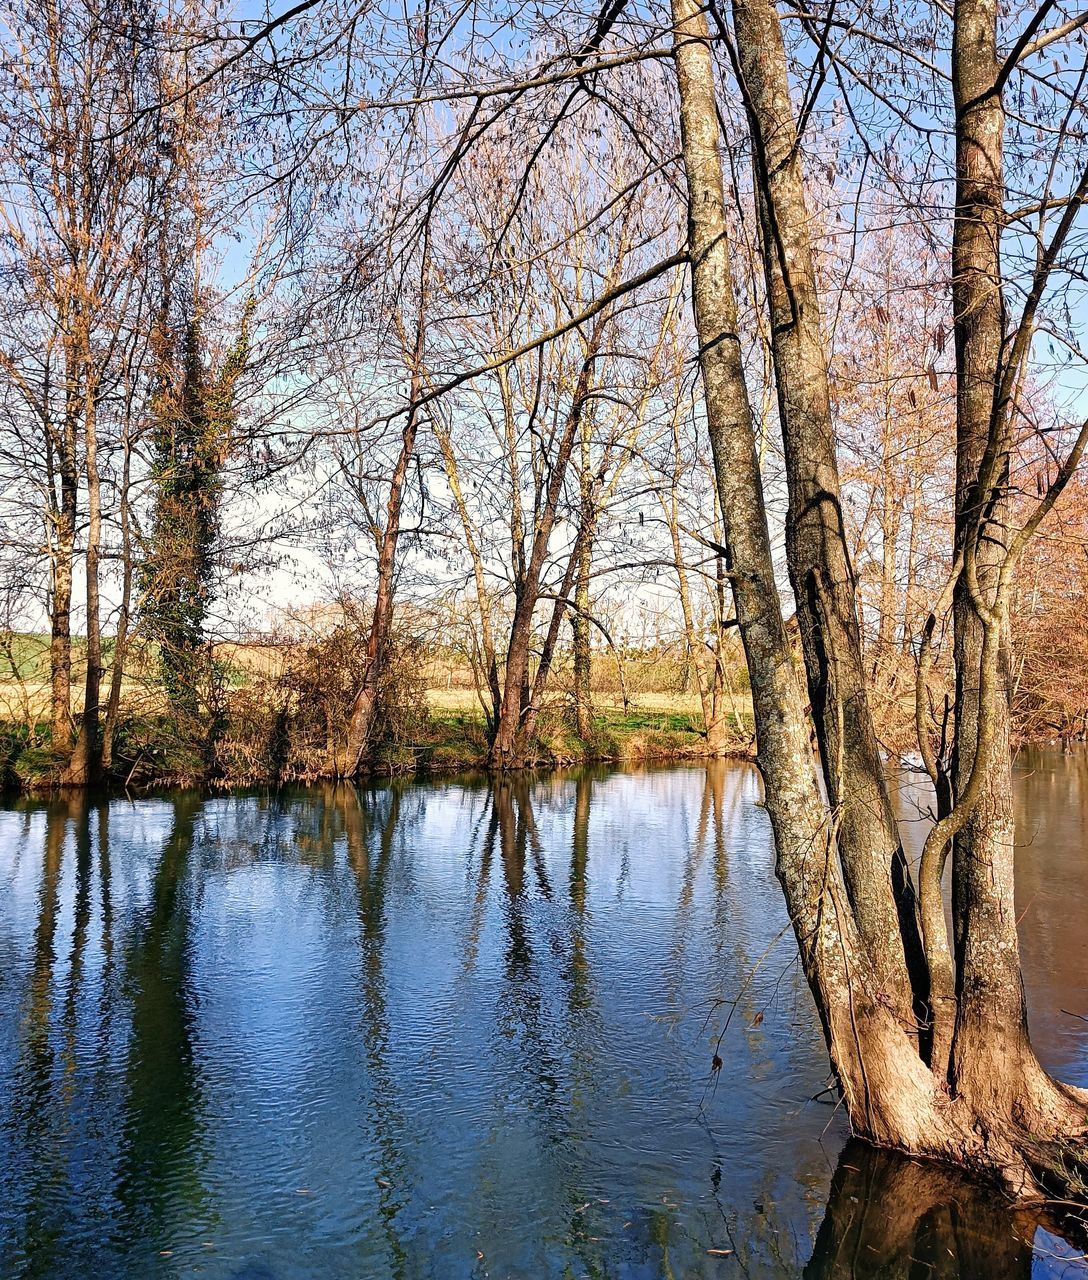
<point>821,573</point>
<point>885,1086</point>
<point>890,1094</point>
<point>992,1057</point>
<point>120,645</point>
<point>63,450</point>
<point>580,620</point>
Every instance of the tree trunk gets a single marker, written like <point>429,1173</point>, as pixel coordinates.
<point>365,705</point>
<point>992,1056</point>
<point>120,645</point>
<point>807,866</point>
<point>580,638</point>
<point>505,752</point>
<point>821,573</point>
<point>63,556</point>
<point>580,621</point>
<point>85,765</point>
<point>361,720</point>
<point>530,714</point>
<point>890,1094</point>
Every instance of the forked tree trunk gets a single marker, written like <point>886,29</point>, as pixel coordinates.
<point>807,866</point>
<point>361,720</point>
<point>507,750</point>
<point>890,1094</point>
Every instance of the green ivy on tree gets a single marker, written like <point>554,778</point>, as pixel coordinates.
<point>195,426</point>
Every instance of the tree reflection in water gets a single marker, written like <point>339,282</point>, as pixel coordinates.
<point>891,1218</point>
<point>513,992</point>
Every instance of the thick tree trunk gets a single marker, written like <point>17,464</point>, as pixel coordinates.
<point>992,1058</point>
<point>820,568</point>
<point>886,1088</point>
<point>890,1094</point>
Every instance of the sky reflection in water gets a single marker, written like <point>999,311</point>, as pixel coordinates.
<point>448,1030</point>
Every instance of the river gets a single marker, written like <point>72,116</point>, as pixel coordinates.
<point>443,1029</point>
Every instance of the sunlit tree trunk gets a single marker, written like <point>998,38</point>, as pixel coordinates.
<point>506,750</point>
<point>361,721</point>
<point>992,1058</point>
<point>998,1124</point>
<point>120,644</point>
<point>62,544</point>
<point>580,619</point>
<point>886,1087</point>
<point>818,557</point>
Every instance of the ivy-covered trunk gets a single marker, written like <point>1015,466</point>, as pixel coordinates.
<point>194,432</point>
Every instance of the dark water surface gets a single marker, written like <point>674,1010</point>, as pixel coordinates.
<point>445,1030</point>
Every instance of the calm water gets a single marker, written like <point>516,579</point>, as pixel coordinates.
<point>445,1030</point>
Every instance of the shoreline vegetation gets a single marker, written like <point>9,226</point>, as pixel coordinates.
<point>452,743</point>
<point>256,725</point>
<point>258,722</point>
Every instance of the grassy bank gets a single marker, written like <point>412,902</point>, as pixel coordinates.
<point>446,734</point>
<point>653,727</point>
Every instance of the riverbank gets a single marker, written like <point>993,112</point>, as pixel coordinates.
<point>450,736</point>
